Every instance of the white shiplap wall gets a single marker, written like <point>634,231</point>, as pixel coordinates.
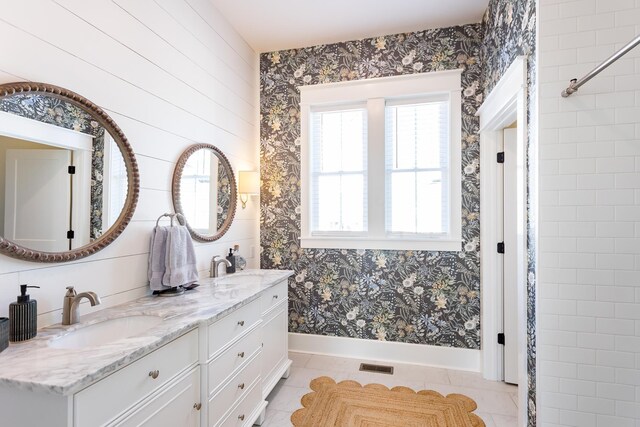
<point>589,238</point>
<point>171,73</point>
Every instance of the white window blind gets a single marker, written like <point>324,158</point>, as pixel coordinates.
<point>417,167</point>
<point>339,170</point>
<point>198,192</point>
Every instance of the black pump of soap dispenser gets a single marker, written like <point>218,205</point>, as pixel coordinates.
<point>23,316</point>
<point>24,297</point>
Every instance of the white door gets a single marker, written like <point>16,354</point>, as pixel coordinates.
<point>37,197</point>
<point>510,277</point>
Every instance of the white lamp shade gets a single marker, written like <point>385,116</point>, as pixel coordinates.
<point>248,182</point>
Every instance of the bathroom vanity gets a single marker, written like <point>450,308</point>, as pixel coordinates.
<point>207,358</point>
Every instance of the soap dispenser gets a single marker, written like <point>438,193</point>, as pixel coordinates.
<point>23,316</point>
<point>232,259</point>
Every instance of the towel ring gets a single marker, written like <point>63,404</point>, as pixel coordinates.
<point>181,219</point>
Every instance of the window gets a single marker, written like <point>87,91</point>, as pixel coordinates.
<point>417,167</point>
<point>381,163</point>
<point>339,170</point>
<point>198,195</point>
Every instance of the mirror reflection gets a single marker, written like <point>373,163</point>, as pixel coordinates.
<point>204,191</point>
<point>63,178</point>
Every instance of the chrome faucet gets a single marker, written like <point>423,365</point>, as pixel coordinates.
<point>71,304</point>
<point>215,264</point>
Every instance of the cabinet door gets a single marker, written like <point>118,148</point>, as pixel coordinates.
<point>274,350</point>
<point>177,404</point>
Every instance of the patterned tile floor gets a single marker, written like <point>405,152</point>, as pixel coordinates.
<point>497,402</point>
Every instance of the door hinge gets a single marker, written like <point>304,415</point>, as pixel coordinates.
<point>501,247</point>
<point>500,157</point>
<point>71,170</point>
<point>70,234</point>
<point>501,338</point>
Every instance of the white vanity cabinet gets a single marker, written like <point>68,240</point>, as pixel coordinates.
<point>275,345</point>
<point>217,374</point>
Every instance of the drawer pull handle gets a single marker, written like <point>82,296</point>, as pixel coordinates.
<point>197,406</point>
<point>241,417</point>
<point>275,296</point>
<point>241,354</point>
<point>154,374</point>
<point>241,323</point>
<point>241,386</point>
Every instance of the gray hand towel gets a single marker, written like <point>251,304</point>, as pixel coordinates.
<point>157,257</point>
<point>180,260</point>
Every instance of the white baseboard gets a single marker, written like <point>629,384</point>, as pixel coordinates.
<point>387,351</point>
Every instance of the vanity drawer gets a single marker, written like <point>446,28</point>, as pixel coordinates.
<point>230,327</point>
<point>245,413</point>
<point>272,296</point>
<point>234,391</point>
<point>234,358</point>
<point>127,386</point>
<point>173,406</point>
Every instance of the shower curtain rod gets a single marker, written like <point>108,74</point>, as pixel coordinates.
<point>575,83</point>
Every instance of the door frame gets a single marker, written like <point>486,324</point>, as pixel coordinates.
<point>507,103</point>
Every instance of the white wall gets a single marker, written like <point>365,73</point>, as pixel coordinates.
<point>589,259</point>
<point>171,73</point>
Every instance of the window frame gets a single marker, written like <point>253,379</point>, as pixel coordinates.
<point>375,93</point>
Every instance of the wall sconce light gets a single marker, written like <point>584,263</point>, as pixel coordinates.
<point>248,183</point>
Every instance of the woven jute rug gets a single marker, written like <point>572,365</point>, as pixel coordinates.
<point>349,404</point>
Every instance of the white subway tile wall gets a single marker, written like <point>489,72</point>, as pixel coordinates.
<point>589,210</point>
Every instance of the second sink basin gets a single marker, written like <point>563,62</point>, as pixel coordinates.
<point>240,279</point>
<point>251,277</point>
<point>105,332</point>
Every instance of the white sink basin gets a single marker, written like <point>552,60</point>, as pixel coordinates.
<point>240,279</point>
<point>105,332</point>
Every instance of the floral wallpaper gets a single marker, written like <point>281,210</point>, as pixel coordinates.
<point>224,196</point>
<point>405,296</point>
<point>51,110</point>
<point>96,227</point>
<point>510,31</point>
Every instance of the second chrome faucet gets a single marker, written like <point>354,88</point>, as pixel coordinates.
<point>215,265</point>
<point>71,304</point>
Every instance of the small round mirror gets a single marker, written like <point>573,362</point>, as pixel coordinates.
<point>204,191</point>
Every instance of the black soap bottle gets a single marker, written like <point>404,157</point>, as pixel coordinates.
<point>232,259</point>
<point>23,316</point>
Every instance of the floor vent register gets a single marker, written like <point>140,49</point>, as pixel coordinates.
<point>380,369</point>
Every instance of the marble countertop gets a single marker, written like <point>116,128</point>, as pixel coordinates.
<point>33,365</point>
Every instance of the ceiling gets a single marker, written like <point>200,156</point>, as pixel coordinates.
<point>269,25</point>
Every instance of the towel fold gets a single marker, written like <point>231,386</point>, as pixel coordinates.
<point>157,258</point>
<point>172,258</point>
<point>180,258</point>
